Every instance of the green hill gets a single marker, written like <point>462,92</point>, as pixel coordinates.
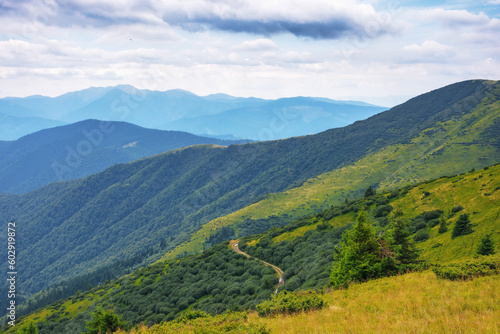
<point>78,150</point>
<point>132,214</point>
<point>468,140</point>
<point>219,278</point>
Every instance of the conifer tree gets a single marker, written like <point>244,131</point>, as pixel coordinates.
<point>463,226</point>
<point>486,247</point>
<point>442,225</point>
<point>104,322</point>
<point>401,244</point>
<point>358,259</point>
<point>29,329</point>
<point>370,192</point>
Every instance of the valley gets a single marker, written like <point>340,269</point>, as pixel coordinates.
<point>181,234</point>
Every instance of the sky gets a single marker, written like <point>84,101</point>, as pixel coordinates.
<point>380,51</point>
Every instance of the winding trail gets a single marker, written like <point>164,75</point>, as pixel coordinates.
<point>281,282</point>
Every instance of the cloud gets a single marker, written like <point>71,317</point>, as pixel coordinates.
<point>317,19</point>
<point>257,45</point>
<point>457,18</point>
<point>427,52</point>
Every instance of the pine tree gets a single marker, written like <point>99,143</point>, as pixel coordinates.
<point>370,192</point>
<point>486,247</point>
<point>401,243</point>
<point>463,226</point>
<point>104,322</point>
<point>29,329</point>
<point>358,259</point>
<point>442,225</point>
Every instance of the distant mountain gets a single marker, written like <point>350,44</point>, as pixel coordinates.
<point>80,149</point>
<point>217,114</point>
<point>75,227</point>
<point>13,127</point>
<point>279,119</point>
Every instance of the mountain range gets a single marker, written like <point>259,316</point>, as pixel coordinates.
<point>217,115</point>
<point>71,228</point>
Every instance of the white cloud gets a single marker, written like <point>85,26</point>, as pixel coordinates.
<point>428,52</point>
<point>257,45</point>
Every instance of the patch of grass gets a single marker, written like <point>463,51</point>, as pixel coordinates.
<point>411,303</point>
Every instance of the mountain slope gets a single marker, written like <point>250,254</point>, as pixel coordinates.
<point>71,228</point>
<point>80,149</point>
<point>218,278</point>
<point>462,142</point>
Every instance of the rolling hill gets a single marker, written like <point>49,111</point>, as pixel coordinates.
<point>219,278</point>
<point>77,227</point>
<point>84,148</point>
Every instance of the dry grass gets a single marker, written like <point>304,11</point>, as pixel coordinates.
<point>412,303</point>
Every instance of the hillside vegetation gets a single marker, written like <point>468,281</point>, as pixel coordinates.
<point>150,206</point>
<point>471,140</point>
<point>219,278</point>
<point>412,303</point>
<point>78,150</point>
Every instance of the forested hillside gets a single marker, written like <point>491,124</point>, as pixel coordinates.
<point>84,148</point>
<point>73,228</point>
<point>219,278</point>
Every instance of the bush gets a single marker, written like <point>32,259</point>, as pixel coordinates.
<point>430,215</point>
<point>421,235</point>
<point>434,222</point>
<point>466,270</point>
<point>457,208</point>
<point>291,302</point>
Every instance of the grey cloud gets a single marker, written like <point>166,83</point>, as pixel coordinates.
<point>316,19</point>
<point>330,29</point>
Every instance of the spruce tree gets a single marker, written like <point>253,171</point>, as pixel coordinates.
<point>29,329</point>
<point>370,192</point>
<point>463,226</point>
<point>104,322</point>
<point>401,244</point>
<point>486,247</point>
<point>442,225</point>
<point>358,259</point>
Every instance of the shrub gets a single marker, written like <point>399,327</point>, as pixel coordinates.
<point>469,269</point>
<point>383,210</point>
<point>421,235</point>
<point>430,215</point>
<point>457,208</point>
<point>290,302</point>
<point>434,222</point>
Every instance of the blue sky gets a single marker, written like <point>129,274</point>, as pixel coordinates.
<point>377,51</point>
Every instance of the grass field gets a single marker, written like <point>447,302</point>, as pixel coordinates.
<point>411,303</point>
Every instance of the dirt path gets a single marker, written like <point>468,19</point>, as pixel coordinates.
<point>281,282</point>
